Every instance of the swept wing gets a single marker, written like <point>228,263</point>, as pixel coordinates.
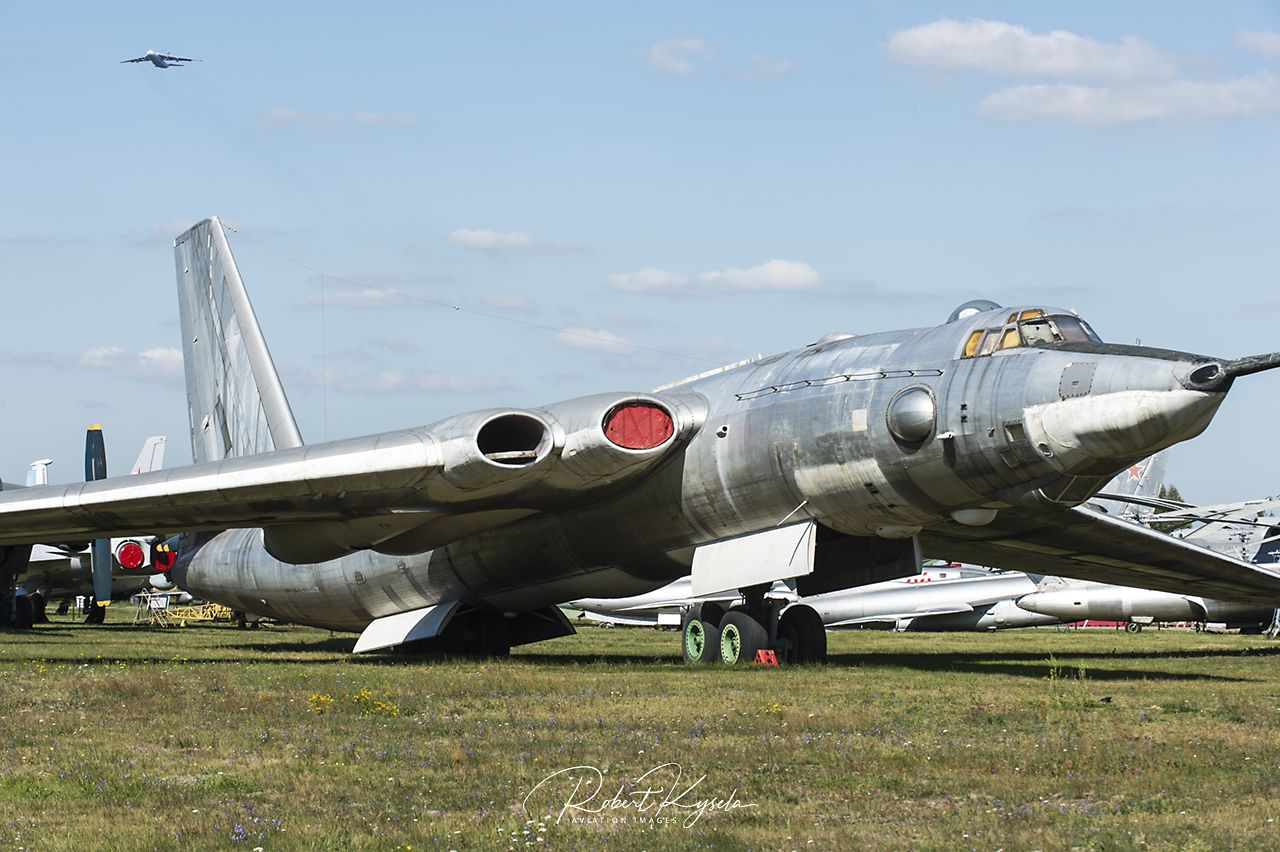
<point>1088,545</point>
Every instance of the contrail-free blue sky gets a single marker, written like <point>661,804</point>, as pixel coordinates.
<point>621,195</point>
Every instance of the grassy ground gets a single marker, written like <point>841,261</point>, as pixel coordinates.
<point>213,737</point>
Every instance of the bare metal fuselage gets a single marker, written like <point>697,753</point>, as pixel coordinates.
<point>798,436</point>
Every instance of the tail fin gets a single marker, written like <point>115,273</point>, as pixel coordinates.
<point>152,455</point>
<point>1268,552</point>
<point>234,397</point>
<point>1143,479</point>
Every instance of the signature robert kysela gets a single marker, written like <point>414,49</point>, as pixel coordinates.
<point>661,795</point>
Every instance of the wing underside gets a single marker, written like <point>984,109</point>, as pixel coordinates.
<point>1087,545</point>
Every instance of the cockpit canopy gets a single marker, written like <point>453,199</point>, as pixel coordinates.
<point>1029,327</point>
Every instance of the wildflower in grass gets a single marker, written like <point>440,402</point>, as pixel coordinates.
<point>320,702</point>
<point>368,705</point>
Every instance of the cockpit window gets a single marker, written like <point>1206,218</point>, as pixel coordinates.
<point>1075,330</point>
<point>971,345</point>
<point>1029,328</point>
<point>1057,329</point>
<point>1038,332</point>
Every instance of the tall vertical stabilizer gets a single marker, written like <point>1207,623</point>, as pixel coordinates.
<point>235,400</point>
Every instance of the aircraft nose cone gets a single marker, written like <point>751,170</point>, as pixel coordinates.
<point>1057,604</point>
<point>1132,410</point>
<point>1031,602</point>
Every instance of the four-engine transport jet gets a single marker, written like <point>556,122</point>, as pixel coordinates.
<point>837,464</point>
<point>161,60</point>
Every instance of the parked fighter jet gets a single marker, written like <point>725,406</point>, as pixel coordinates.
<point>161,60</point>
<point>1077,600</point>
<point>945,596</point>
<point>836,464</point>
<point>662,607</point>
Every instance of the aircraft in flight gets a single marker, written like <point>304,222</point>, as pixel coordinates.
<point>160,60</point>
<point>837,464</point>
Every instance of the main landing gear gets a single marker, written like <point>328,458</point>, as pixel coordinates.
<point>709,633</point>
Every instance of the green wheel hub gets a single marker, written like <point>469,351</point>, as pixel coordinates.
<point>695,639</point>
<point>730,644</point>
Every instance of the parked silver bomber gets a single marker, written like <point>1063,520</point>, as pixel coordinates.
<point>831,466</point>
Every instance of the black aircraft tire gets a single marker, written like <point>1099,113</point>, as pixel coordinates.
<point>802,625</point>
<point>741,637</point>
<point>1133,627</point>
<point>97,614</point>
<point>699,638</point>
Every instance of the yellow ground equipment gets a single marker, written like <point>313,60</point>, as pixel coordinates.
<point>161,609</point>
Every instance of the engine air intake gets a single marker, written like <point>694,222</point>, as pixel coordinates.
<point>513,439</point>
<point>638,425</point>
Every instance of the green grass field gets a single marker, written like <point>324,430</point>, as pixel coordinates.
<point>213,737</point>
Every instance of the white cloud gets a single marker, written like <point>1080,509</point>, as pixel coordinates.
<point>357,299</point>
<point>764,67</point>
<point>596,340</point>
<point>159,362</point>
<point>1264,42</point>
<point>647,280</point>
<point>285,117</point>
<point>1001,48</point>
<point>677,56</point>
<point>1096,106</point>
<point>101,356</point>
<point>771,276</point>
<point>482,239</point>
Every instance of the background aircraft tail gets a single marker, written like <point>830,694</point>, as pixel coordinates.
<point>152,455</point>
<point>235,401</point>
<point>1268,552</point>
<point>1143,479</point>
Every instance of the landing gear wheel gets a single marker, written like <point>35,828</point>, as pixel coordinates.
<point>803,635</point>
<point>1133,627</point>
<point>700,633</point>
<point>741,636</point>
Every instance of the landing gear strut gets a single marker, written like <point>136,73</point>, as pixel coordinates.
<point>795,635</point>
